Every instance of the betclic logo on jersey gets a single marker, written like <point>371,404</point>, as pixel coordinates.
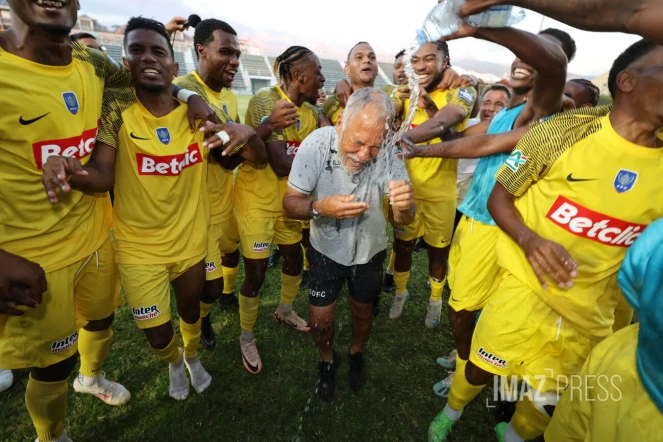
<point>168,165</point>
<point>594,226</point>
<point>293,148</point>
<point>77,147</point>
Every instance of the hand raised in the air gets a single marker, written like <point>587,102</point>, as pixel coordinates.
<point>57,172</point>
<point>551,259</point>
<point>284,114</point>
<point>401,195</point>
<point>22,282</point>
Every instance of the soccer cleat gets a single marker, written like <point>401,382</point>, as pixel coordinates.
<point>440,429</point>
<point>293,320</point>
<point>388,285</point>
<point>326,384</point>
<point>63,438</point>
<point>443,387</point>
<point>207,336</point>
<point>433,314</point>
<point>274,259</point>
<point>178,387</point>
<point>200,378</point>
<point>111,393</point>
<point>499,431</point>
<point>250,356</point>
<point>357,372</point>
<point>229,301</point>
<point>397,305</point>
<point>448,362</point>
<point>6,379</point>
<point>306,280</point>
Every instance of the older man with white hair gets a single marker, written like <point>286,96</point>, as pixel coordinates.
<point>337,180</point>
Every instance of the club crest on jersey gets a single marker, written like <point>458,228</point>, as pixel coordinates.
<point>466,95</point>
<point>71,102</point>
<point>625,180</point>
<point>515,160</point>
<point>299,123</point>
<point>163,134</point>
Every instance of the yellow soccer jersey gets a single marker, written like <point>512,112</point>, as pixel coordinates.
<point>219,180</point>
<point>51,110</point>
<point>332,109</point>
<point>610,404</point>
<point>434,179</point>
<point>258,190</point>
<point>580,184</point>
<point>161,202</point>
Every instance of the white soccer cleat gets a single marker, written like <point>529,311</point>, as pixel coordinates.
<point>63,438</point>
<point>443,387</point>
<point>178,387</point>
<point>250,356</point>
<point>200,378</point>
<point>397,305</point>
<point>448,362</point>
<point>433,314</point>
<point>111,393</point>
<point>6,379</point>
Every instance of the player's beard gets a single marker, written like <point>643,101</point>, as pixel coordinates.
<point>153,88</point>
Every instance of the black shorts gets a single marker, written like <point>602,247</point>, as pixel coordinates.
<point>327,278</point>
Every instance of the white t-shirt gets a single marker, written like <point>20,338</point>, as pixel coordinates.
<point>466,166</point>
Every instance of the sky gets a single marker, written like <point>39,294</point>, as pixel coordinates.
<point>331,30</point>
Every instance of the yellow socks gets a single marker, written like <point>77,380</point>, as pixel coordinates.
<point>204,309</point>
<point>529,422</point>
<point>191,337</point>
<point>47,405</point>
<point>307,265</point>
<point>248,313</point>
<point>93,348</point>
<point>392,261</point>
<point>289,288</point>
<point>436,289</point>
<point>400,281</point>
<point>462,392</point>
<point>229,279</point>
<point>171,353</point>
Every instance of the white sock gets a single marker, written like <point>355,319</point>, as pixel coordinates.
<point>402,295</point>
<point>389,272</point>
<point>200,378</point>
<point>247,336</point>
<point>283,309</point>
<point>454,415</point>
<point>179,384</point>
<point>87,381</point>
<point>510,435</point>
<point>431,302</point>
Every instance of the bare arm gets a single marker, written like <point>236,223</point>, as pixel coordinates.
<point>297,205</point>
<point>438,126</point>
<point>278,158</point>
<point>642,17</point>
<point>476,146</point>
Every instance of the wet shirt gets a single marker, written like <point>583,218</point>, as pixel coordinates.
<point>317,171</point>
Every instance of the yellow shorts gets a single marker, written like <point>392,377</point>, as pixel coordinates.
<point>434,220</point>
<point>473,271</point>
<point>519,335</point>
<point>147,289</point>
<point>623,314</point>
<point>257,234</point>
<point>88,290</point>
<point>223,239</point>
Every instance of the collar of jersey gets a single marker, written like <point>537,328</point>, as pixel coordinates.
<point>60,71</point>
<point>200,81</point>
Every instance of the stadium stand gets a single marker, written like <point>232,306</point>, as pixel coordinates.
<point>333,72</point>
<point>114,52</point>
<point>388,69</point>
<point>256,66</point>
<point>179,58</point>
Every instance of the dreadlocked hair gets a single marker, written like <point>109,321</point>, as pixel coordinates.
<point>284,63</point>
<point>593,90</point>
<point>443,47</point>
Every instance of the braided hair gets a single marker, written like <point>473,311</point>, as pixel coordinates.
<point>285,63</point>
<point>593,90</point>
<point>443,47</point>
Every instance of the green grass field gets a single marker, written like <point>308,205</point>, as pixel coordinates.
<point>396,404</point>
<point>242,105</point>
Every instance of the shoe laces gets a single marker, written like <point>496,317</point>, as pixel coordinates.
<point>250,350</point>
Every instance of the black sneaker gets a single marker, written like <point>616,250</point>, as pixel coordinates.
<point>326,386</point>
<point>357,373</point>
<point>229,301</point>
<point>306,280</point>
<point>207,336</point>
<point>376,307</point>
<point>388,285</point>
<point>421,246</point>
<point>274,259</point>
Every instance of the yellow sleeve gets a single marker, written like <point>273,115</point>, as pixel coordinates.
<point>115,102</point>
<point>188,82</point>
<point>463,97</point>
<point>113,74</point>
<point>330,106</point>
<point>260,107</point>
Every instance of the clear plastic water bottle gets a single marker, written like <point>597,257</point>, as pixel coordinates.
<point>444,19</point>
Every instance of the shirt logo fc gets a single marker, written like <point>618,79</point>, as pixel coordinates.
<point>71,102</point>
<point>515,160</point>
<point>625,180</point>
<point>163,134</point>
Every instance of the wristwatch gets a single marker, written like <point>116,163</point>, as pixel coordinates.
<point>314,213</point>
